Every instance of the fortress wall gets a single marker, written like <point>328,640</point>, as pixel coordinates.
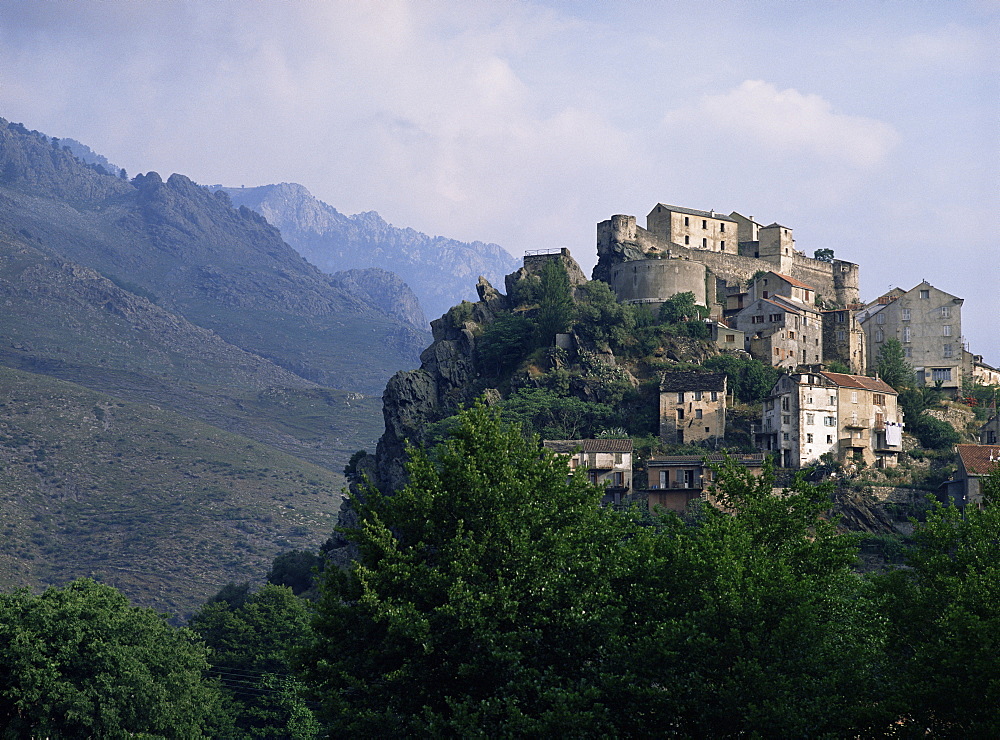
<point>837,281</point>
<point>658,279</point>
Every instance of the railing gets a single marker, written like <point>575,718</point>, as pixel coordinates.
<point>856,423</point>
<point>536,252</point>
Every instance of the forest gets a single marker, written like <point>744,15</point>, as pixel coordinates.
<point>494,596</point>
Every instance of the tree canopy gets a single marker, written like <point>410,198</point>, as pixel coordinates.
<point>892,366</point>
<point>79,661</point>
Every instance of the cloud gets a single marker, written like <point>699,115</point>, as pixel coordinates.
<point>786,123</point>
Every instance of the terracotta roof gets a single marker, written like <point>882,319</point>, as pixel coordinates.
<point>568,446</point>
<point>793,281</point>
<point>859,381</point>
<point>979,459</point>
<point>692,381</point>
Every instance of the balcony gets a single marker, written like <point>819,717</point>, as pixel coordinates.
<point>856,424</point>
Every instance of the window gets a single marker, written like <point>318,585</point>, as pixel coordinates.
<point>879,335</point>
<point>829,439</point>
<point>784,403</point>
<point>774,317</point>
<point>786,419</point>
<point>618,458</point>
<point>704,223</point>
<point>809,439</point>
<point>829,421</point>
<point>756,319</point>
<point>809,400</point>
<point>715,395</point>
<point>925,295</point>
<point>904,314</point>
<point>680,414</point>
<point>841,335</point>
<point>722,227</point>
<point>730,337</point>
<point>704,242</point>
<point>854,396</point>
<point>833,400</point>
<point>619,479</point>
<point>722,246</point>
<point>687,221</point>
<point>906,334</point>
<point>697,395</point>
<point>791,334</point>
<point>680,396</point>
<point>785,436</point>
<point>697,413</point>
<point>947,350</point>
<point>946,330</point>
<point>840,317</point>
<point>880,318</point>
<point>777,352</point>
<point>878,399</point>
<point>687,239</point>
<point>945,312</point>
<point>941,373</point>
<point>907,352</point>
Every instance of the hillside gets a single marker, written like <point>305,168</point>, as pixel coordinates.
<point>195,255</point>
<point>163,507</point>
<point>441,271</point>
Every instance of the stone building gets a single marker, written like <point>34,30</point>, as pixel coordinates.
<point>608,463</point>
<point>674,481</point>
<point>799,422</point>
<point>730,260</point>
<point>928,323</point>
<point>688,227</point>
<point>974,463</point>
<point>811,413</point>
<point>844,340</point>
<point>692,407</point>
<point>782,332</point>
<point>978,371</point>
<point>989,433</point>
<point>655,280</point>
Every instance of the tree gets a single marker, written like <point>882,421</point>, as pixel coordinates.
<point>748,622</point>
<point>823,255</point>
<point>552,416</point>
<point>944,613</point>
<point>79,661</point>
<point>555,301</point>
<point>504,343</point>
<point>252,651</point>
<point>892,366</point>
<point>681,307</point>
<point>296,569</point>
<point>749,379</point>
<point>479,600</point>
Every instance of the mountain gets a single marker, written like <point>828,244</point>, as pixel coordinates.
<point>441,271</point>
<point>163,507</point>
<point>195,255</point>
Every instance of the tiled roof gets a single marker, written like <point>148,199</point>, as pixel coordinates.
<point>979,459</point>
<point>750,458</point>
<point>862,382</point>
<point>568,446</point>
<point>775,225</point>
<point>695,212</point>
<point>784,305</point>
<point>793,281</point>
<point>692,381</point>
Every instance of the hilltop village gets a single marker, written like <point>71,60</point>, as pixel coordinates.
<point>756,298</point>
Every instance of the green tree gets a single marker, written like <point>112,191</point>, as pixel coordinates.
<point>944,612</point>
<point>749,380</point>
<point>681,307</point>
<point>505,343</point>
<point>252,651</point>
<point>296,569</point>
<point>543,412</point>
<point>749,622</point>
<point>892,366</point>
<point>555,301</point>
<point>80,661</point>
<point>823,255</point>
<point>479,600</point>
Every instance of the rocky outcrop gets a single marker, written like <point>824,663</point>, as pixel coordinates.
<point>384,290</point>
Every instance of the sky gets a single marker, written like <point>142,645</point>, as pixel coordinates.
<point>871,128</point>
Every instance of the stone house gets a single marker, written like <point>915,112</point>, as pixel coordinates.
<point>782,332</point>
<point>772,284</point>
<point>726,337</point>
<point>843,339</point>
<point>982,374</point>
<point>989,433</point>
<point>809,414</point>
<point>928,323</point>
<point>608,463</point>
<point>688,227</point>
<point>799,422</point>
<point>974,462</point>
<point>674,481</point>
<point>692,407</point>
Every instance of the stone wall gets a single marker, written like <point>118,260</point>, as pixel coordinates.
<point>659,279</point>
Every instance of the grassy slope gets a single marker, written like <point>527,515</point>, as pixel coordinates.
<point>165,508</point>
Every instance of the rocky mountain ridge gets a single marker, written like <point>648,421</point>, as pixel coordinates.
<point>440,271</point>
